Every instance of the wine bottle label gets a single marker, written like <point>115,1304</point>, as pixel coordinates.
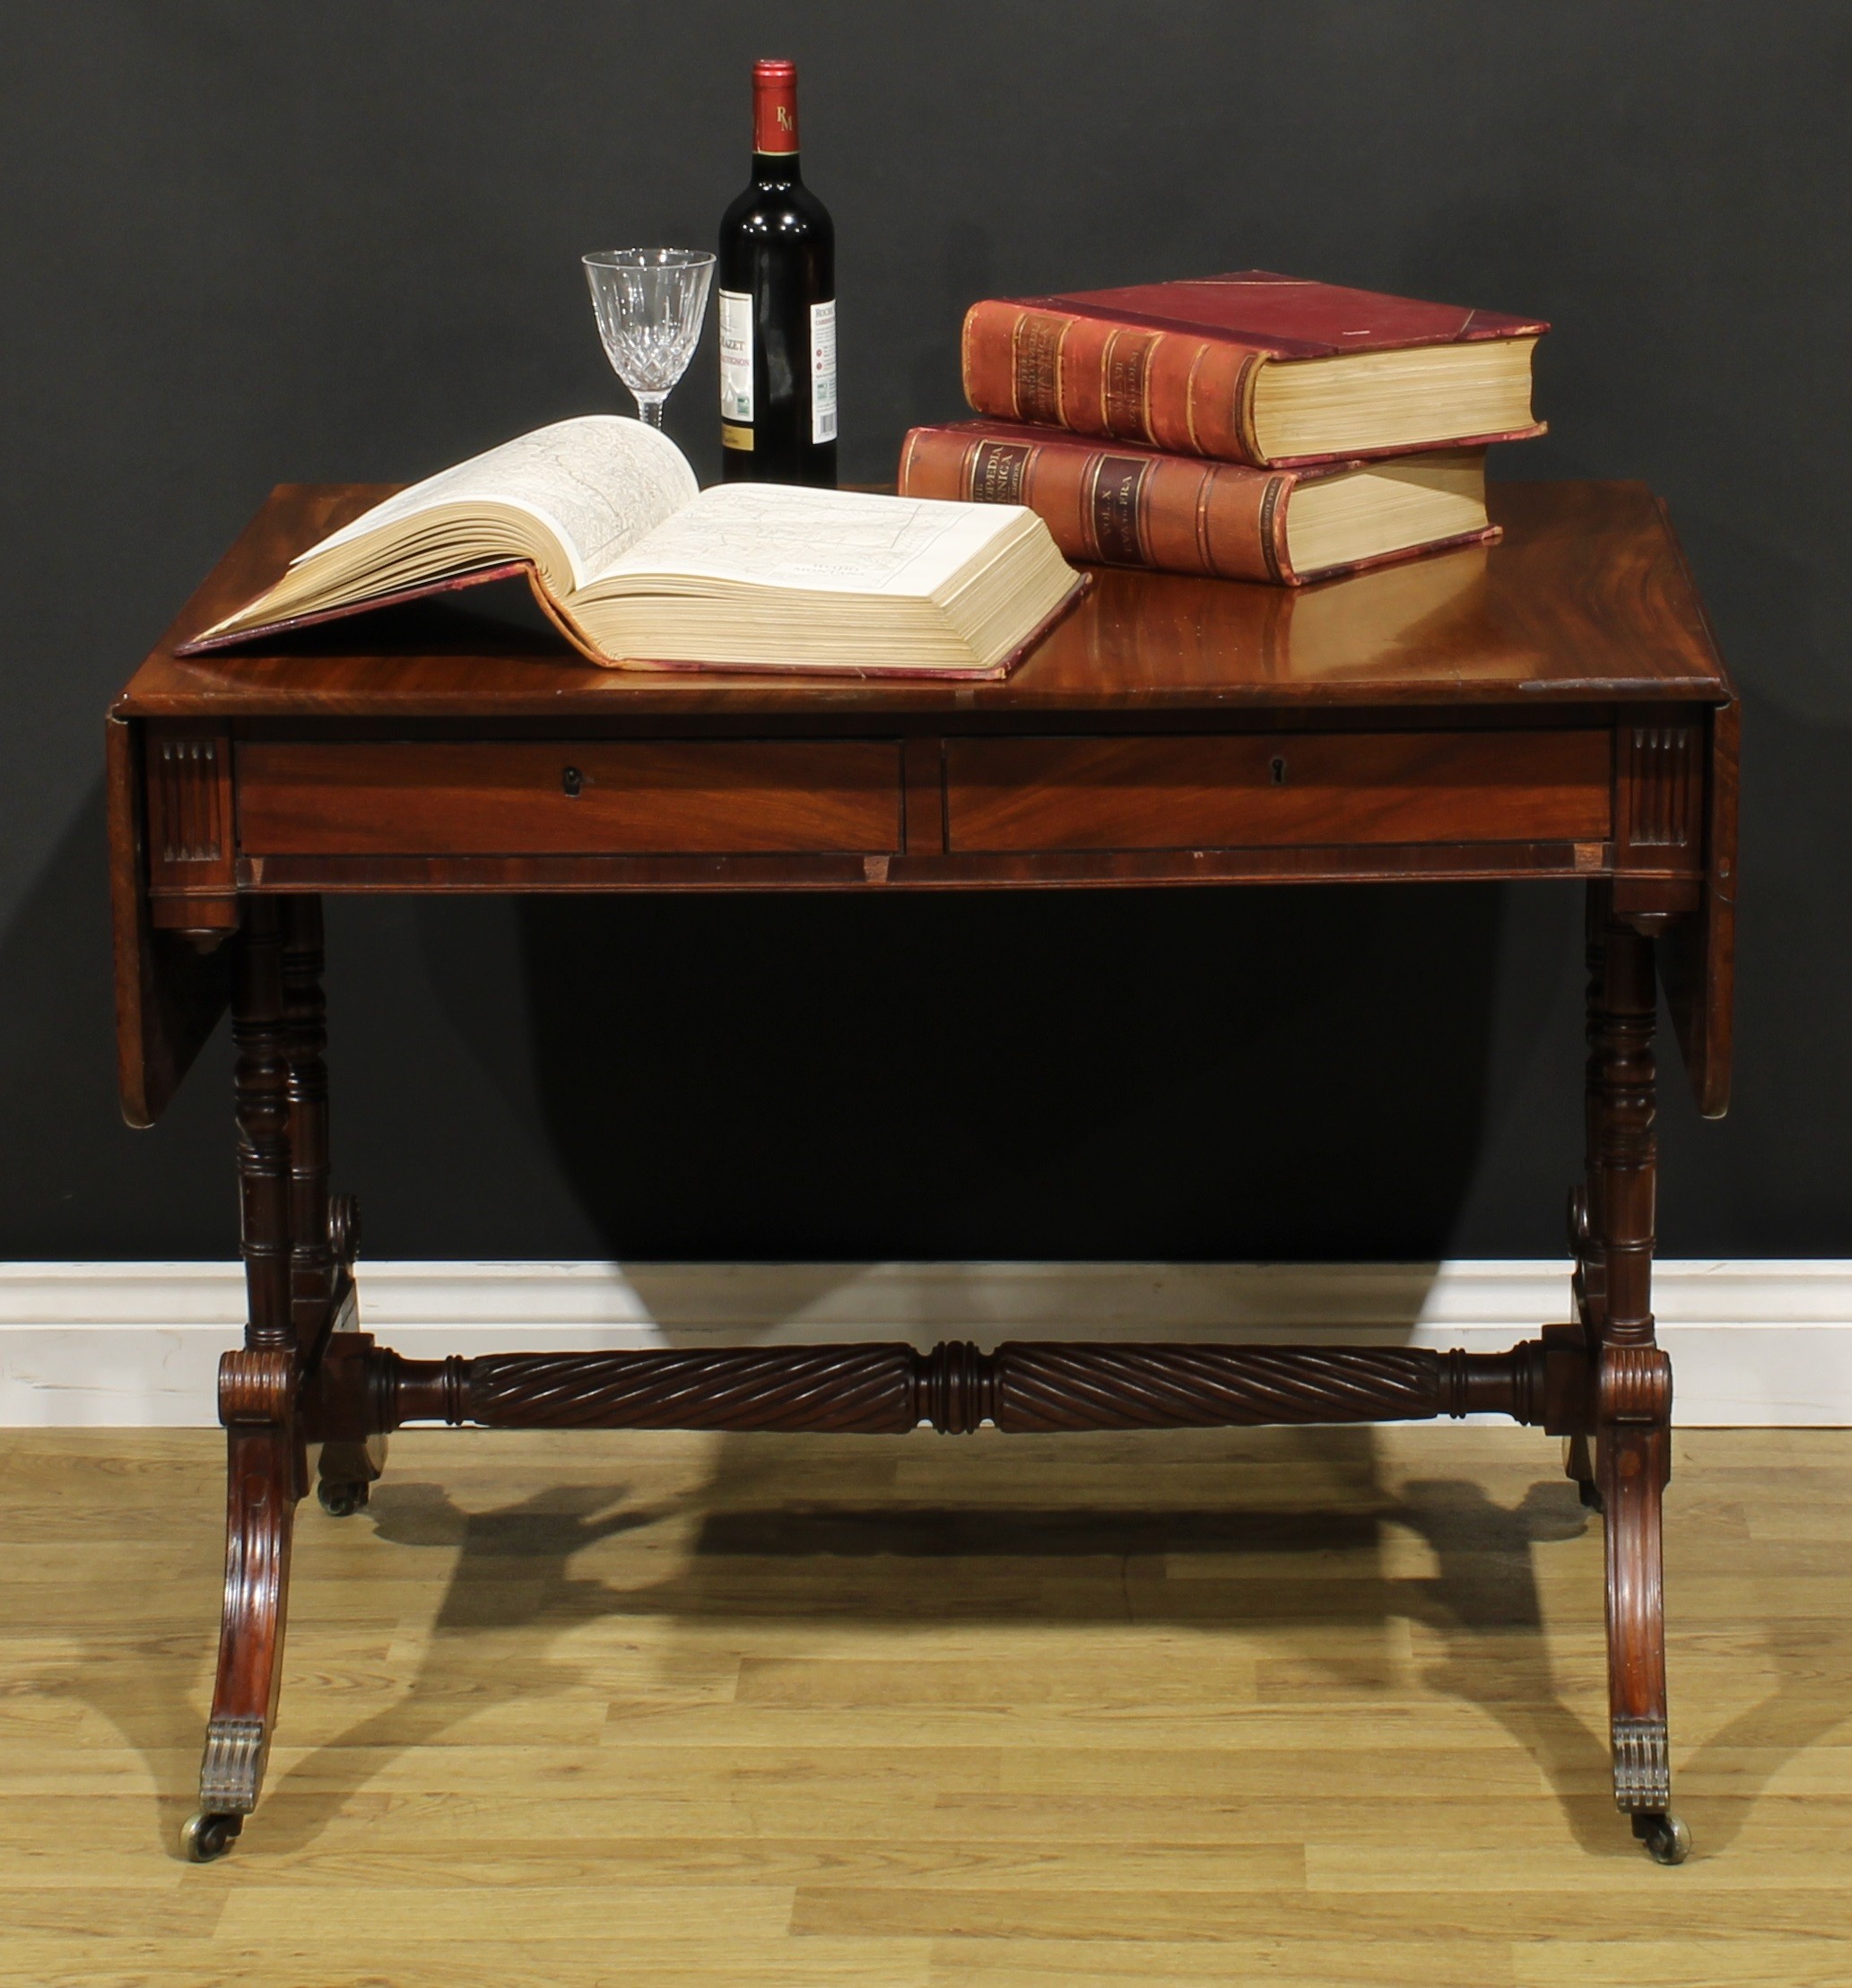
<point>736,359</point>
<point>823,371</point>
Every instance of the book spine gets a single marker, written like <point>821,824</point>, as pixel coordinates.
<point>1128,383</point>
<point>1173,514</point>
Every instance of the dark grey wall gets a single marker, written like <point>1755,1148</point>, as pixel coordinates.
<point>245,243</point>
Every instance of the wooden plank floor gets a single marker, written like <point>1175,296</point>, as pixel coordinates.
<point>1304,1707</point>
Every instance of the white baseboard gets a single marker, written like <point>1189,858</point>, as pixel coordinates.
<point>1763,1344</point>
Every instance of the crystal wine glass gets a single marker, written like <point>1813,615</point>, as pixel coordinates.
<point>650,303</point>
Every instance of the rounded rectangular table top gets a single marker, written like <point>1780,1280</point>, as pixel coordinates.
<point>1585,599</point>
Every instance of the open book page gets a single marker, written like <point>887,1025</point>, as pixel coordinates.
<point>600,482</point>
<point>780,534</point>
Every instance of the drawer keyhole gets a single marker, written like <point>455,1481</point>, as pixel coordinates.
<point>571,781</point>
<point>1278,770</point>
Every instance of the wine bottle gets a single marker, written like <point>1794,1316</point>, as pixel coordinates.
<point>778,307</point>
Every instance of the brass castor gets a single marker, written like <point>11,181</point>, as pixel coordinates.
<point>1666,1836</point>
<point>206,1837</point>
<point>341,1501</point>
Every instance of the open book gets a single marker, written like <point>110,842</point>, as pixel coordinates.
<point>643,570</point>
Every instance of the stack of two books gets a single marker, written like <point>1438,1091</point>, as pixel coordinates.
<point>1250,426</point>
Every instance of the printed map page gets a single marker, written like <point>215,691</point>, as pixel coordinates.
<point>781,534</point>
<point>601,483</point>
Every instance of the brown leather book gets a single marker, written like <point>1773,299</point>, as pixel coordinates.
<point>1121,505</point>
<point>1253,367</point>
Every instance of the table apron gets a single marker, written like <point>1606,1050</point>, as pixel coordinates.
<point>231,814</point>
<point>1100,869</point>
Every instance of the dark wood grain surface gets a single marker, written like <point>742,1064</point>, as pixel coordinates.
<point>431,797</point>
<point>1585,598</point>
<point>1262,790</point>
<point>1549,707</point>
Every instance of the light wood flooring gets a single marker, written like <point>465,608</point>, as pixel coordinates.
<point>1297,1706</point>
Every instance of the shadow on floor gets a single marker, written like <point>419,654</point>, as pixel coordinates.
<point>1265,1567</point>
<point>757,1554</point>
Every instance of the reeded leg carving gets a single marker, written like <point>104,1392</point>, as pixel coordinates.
<point>265,1473</point>
<point>1633,1378</point>
<point>265,1457</point>
<point>1624,1153</point>
<point>325,1231</point>
<point>305,1014</point>
<point>1636,1399</point>
<point>1585,1209</point>
<point>261,1034</point>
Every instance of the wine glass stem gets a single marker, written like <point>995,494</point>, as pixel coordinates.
<point>649,406</point>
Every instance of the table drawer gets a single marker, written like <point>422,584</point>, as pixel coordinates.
<point>1250,791</point>
<point>721,797</point>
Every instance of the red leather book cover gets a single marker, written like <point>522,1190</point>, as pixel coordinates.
<point>1122,505</point>
<point>454,583</point>
<point>1175,365</point>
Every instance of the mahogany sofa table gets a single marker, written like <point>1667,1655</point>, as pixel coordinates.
<point>1550,707</point>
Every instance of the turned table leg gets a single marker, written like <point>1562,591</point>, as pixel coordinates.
<point>324,1229</point>
<point>266,1461</point>
<point>265,1478</point>
<point>1632,1404</point>
<point>1585,1223</point>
